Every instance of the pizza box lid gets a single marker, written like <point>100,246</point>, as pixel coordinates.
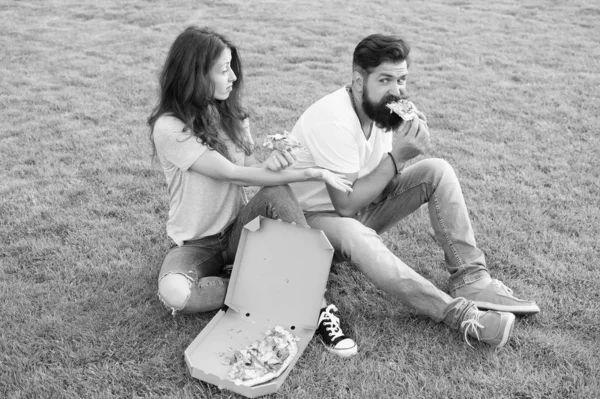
<point>278,278</point>
<point>280,272</point>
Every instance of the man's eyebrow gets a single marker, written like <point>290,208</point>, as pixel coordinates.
<point>389,75</point>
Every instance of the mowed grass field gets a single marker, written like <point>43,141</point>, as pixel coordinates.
<point>511,90</point>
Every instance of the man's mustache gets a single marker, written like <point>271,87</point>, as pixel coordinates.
<point>390,98</point>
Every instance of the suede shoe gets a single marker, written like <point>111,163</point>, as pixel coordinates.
<point>332,335</point>
<point>494,295</point>
<point>493,328</point>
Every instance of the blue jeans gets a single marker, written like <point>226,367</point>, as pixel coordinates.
<point>357,239</point>
<point>202,262</point>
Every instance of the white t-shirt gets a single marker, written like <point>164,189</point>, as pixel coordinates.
<point>199,205</point>
<point>331,132</point>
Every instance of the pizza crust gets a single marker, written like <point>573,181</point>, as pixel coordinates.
<point>248,370</point>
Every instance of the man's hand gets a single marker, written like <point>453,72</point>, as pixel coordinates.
<point>412,140</point>
<point>421,116</point>
<point>279,160</point>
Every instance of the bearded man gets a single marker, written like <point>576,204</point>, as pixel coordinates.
<point>352,132</point>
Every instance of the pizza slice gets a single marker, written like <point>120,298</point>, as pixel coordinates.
<point>264,359</point>
<point>281,142</point>
<point>404,108</point>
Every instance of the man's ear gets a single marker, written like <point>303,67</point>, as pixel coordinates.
<point>358,80</point>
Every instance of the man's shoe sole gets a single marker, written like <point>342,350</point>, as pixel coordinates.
<point>520,310</point>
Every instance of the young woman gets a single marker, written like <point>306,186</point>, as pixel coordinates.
<point>200,134</point>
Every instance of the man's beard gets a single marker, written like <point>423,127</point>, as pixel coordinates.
<point>379,113</point>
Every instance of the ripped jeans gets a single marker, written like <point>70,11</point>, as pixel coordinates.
<point>193,277</point>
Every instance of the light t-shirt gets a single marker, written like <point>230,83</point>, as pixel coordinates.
<point>331,132</point>
<point>199,205</point>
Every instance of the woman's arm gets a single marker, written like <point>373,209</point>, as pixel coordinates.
<point>276,161</point>
<point>213,164</point>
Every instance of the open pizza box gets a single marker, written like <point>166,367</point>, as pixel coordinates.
<point>278,278</point>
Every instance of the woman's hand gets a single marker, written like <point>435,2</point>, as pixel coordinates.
<point>279,160</point>
<point>337,181</point>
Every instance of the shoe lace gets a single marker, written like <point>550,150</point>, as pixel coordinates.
<point>500,284</point>
<point>472,325</point>
<point>332,322</point>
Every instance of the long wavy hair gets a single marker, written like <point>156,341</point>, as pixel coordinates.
<point>187,91</point>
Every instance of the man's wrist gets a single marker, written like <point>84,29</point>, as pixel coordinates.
<point>398,166</point>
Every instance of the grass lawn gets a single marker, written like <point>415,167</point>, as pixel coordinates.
<point>511,90</point>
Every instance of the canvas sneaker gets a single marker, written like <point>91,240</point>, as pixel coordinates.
<point>332,335</point>
<point>494,295</point>
<point>493,328</point>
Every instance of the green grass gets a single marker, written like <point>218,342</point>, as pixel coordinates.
<point>511,91</point>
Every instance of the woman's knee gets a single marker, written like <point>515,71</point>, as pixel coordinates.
<point>280,203</point>
<point>274,194</point>
<point>180,294</point>
<point>174,290</point>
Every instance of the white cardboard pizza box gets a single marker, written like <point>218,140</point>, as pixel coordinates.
<point>278,278</point>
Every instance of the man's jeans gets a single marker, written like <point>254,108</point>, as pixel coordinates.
<point>357,239</point>
<point>202,261</point>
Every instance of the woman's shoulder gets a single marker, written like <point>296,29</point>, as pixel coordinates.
<point>168,123</point>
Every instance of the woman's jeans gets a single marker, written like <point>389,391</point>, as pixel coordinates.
<point>202,262</point>
<point>357,239</point>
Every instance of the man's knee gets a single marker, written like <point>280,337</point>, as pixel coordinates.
<point>440,169</point>
<point>174,290</point>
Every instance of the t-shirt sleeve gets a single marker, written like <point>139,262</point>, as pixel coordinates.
<point>180,148</point>
<point>333,147</point>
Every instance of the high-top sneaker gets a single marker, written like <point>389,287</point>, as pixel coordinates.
<point>332,335</point>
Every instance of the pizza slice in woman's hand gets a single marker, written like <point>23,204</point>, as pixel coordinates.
<point>281,142</point>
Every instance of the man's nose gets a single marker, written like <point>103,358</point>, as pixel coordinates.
<point>402,90</point>
<point>397,91</point>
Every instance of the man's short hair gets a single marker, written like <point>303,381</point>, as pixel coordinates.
<point>377,48</point>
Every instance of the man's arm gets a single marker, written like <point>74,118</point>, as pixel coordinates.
<point>412,140</point>
<point>365,189</point>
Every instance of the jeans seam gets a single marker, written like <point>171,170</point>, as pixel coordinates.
<point>200,283</point>
<point>444,230</point>
<point>205,259</point>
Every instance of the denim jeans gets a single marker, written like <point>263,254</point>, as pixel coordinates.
<point>203,262</point>
<point>357,239</point>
